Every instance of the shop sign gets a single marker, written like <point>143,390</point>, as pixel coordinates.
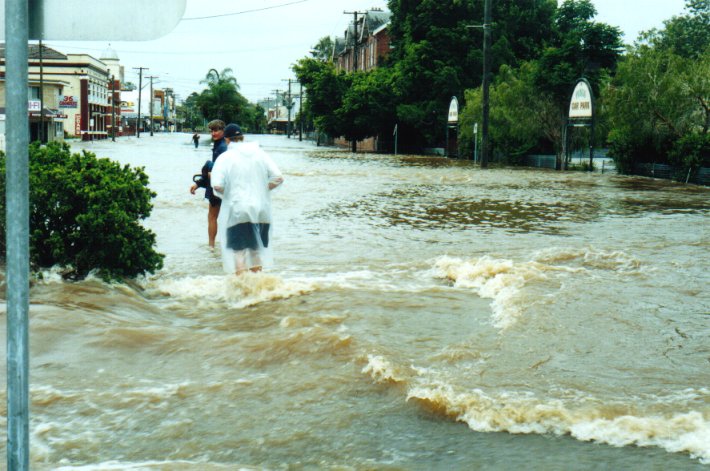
<point>68,101</point>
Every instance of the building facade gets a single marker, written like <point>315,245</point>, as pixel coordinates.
<point>365,43</point>
<point>73,90</point>
<point>363,47</point>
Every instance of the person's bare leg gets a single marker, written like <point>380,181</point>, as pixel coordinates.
<point>240,261</point>
<point>212,224</point>
<point>255,261</point>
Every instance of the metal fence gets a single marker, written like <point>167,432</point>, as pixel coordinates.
<point>700,176</point>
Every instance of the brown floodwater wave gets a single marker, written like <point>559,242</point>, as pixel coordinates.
<point>421,314</point>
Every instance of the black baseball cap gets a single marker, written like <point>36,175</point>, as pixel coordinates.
<point>232,130</point>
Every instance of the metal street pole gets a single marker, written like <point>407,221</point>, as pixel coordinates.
<point>300,112</point>
<point>17,234</point>
<point>475,142</point>
<point>485,144</point>
<point>41,94</point>
<point>151,103</point>
<point>140,91</point>
<point>113,108</point>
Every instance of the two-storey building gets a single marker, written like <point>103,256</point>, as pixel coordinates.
<point>365,43</point>
<point>73,90</point>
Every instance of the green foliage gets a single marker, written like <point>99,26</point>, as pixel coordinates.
<point>657,99</point>
<point>222,100</point>
<point>326,90</point>
<point>437,55</point>
<point>691,151</point>
<point>85,214</point>
<point>580,47</point>
<point>368,106</point>
<point>686,35</point>
<point>189,112</point>
<point>521,117</point>
<point>323,50</point>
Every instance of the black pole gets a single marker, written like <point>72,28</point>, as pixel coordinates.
<point>113,108</point>
<point>151,104</point>
<point>300,112</point>
<point>289,105</point>
<point>140,90</point>
<point>41,94</point>
<point>486,82</point>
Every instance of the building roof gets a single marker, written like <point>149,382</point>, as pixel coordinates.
<point>33,52</point>
<point>109,54</point>
<point>372,21</point>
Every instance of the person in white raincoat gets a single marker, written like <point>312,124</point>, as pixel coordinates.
<point>243,177</point>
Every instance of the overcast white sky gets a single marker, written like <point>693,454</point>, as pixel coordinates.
<point>261,46</point>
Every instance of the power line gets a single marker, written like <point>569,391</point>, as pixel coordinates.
<point>243,12</point>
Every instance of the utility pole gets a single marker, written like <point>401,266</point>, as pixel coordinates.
<point>300,112</point>
<point>151,102</point>
<point>289,105</point>
<point>485,144</point>
<point>353,143</point>
<point>113,108</point>
<point>41,94</point>
<point>355,13</point>
<point>277,108</point>
<point>140,91</point>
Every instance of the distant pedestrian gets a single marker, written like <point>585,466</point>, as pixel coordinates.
<point>219,146</point>
<point>196,140</point>
<point>244,177</point>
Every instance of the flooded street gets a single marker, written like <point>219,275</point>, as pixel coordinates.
<point>421,314</point>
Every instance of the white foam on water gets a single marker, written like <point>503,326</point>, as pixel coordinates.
<point>504,280</point>
<point>584,419</point>
<point>498,279</point>
<point>589,258</point>
<point>381,370</point>
<point>236,292</point>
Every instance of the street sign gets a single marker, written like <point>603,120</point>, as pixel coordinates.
<point>94,20</point>
<point>581,103</point>
<point>454,111</point>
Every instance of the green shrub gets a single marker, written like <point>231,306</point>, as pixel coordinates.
<point>85,214</point>
<point>691,151</point>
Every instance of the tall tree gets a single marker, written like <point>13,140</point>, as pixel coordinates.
<point>437,54</point>
<point>687,35</point>
<point>580,47</point>
<point>323,49</point>
<point>221,99</point>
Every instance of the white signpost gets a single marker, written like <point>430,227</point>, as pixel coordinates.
<point>580,105</point>
<point>581,114</point>
<point>452,121</point>
<point>20,21</point>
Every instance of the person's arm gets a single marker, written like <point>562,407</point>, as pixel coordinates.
<point>217,177</point>
<point>275,176</point>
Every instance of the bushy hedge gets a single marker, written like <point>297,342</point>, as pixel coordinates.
<point>85,214</point>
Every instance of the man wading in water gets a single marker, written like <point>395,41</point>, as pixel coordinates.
<point>220,146</point>
<point>244,177</point>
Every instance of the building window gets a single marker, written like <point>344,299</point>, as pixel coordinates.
<point>33,93</point>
